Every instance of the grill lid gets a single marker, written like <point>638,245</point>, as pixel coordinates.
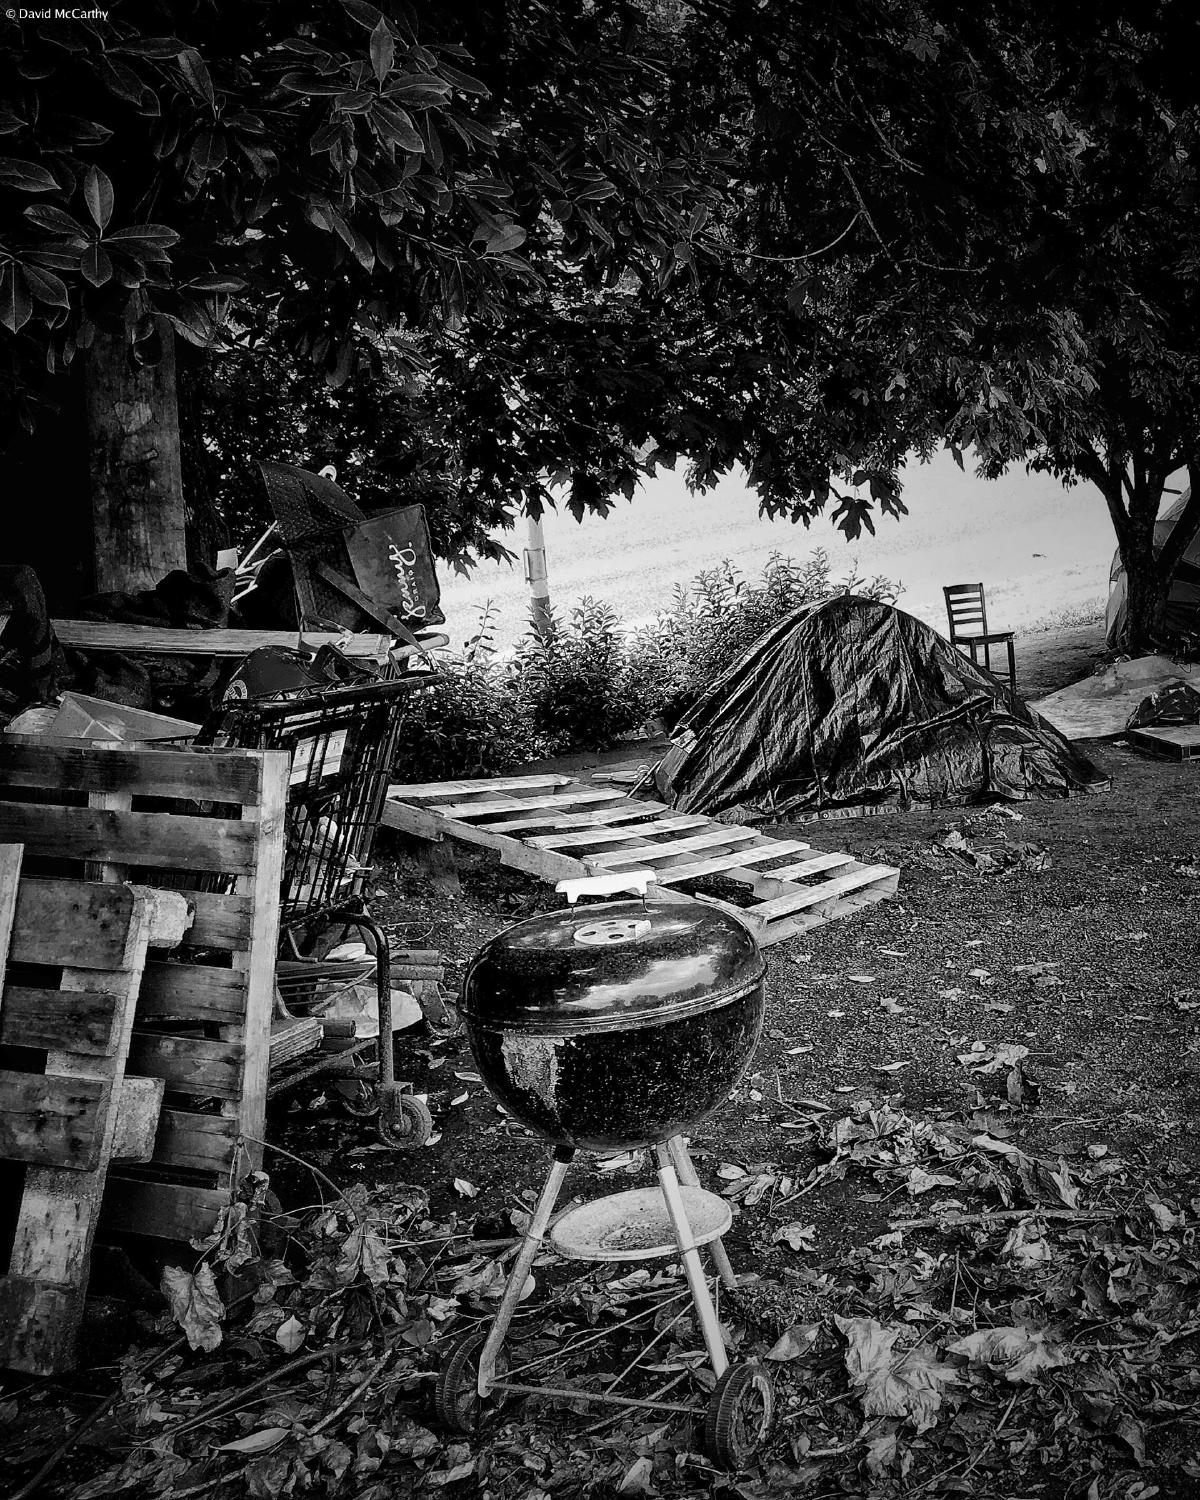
<point>624,963</point>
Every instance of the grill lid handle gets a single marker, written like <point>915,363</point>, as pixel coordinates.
<point>634,882</point>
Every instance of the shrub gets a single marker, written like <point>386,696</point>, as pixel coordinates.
<point>468,722</point>
<point>575,680</point>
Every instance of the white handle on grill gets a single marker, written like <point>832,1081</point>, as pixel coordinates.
<point>634,882</point>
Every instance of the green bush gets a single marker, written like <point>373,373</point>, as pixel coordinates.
<point>468,722</point>
<point>575,679</point>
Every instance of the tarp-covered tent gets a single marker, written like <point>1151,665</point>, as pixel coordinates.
<point>1183,597</point>
<point>851,704</point>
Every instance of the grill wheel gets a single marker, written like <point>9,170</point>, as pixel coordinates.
<point>740,1412</point>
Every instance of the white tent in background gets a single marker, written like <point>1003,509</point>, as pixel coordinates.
<point>1183,599</point>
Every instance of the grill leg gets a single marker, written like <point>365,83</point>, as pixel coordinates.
<point>530,1246</point>
<point>714,1342</point>
<point>687,1175</point>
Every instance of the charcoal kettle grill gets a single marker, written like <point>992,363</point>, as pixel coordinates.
<point>604,1029</point>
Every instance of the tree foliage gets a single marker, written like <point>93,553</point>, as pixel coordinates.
<point>558,245</point>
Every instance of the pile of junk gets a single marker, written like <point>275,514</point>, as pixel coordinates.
<point>313,642</point>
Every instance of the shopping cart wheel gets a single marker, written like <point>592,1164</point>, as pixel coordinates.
<point>740,1411</point>
<point>359,1097</point>
<point>456,1396</point>
<point>405,1122</point>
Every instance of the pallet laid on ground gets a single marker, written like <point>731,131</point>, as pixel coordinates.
<point>557,828</point>
<point>209,823</point>
<point>75,964</point>
<point>1176,741</point>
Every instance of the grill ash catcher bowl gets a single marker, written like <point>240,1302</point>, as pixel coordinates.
<point>616,1027</point>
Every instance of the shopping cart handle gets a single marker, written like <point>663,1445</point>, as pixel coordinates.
<point>634,882</point>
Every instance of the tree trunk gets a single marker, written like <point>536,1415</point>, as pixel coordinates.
<point>1146,599</point>
<point>207,531</point>
<point>138,527</point>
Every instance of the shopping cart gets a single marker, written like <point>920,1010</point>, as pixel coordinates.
<point>341,741</point>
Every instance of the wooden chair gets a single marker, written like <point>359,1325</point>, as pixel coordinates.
<point>967,609</point>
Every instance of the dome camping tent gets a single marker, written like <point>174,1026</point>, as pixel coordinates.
<point>851,705</point>
<point>1183,597</point>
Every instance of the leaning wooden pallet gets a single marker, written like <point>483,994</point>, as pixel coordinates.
<point>76,960</point>
<point>556,828</point>
<point>212,824</point>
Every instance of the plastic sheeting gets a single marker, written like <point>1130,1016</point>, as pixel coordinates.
<point>849,704</point>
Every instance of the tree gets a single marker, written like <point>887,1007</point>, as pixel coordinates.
<point>332,165</point>
<point>1017,270</point>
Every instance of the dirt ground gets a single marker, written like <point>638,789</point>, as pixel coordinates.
<point>964,1173</point>
<point>1074,938</point>
<point>1112,1041</point>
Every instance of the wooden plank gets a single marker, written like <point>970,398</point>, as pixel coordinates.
<point>82,1020</point>
<point>220,920</point>
<point>261,887</point>
<point>190,1065</point>
<point>74,923</point>
<point>456,790</point>
<point>59,1207</point>
<point>104,635</point>
<point>825,890</point>
<point>32,761</point>
<point>804,922</point>
<point>546,864</point>
<point>200,1143</point>
<point>652,854</point>
<point>557,802</point>
<point>10,881</point>
<point>727,864</point>
<point>53,1122</point>
<point>154,840</point>
<point>139,1105</point>
<point>803,868</point>
<point>197,992</point>
<point>589,837</point>
<point>32,1315</point>
<point>161,1210</point>
<point>625,811</point>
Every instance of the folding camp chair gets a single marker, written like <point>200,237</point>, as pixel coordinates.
<point>967,609</point>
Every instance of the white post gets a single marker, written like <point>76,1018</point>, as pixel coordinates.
<point>536,578</point>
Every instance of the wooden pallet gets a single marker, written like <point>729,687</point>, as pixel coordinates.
<point>76,962</point>
<point>557,829</point>
<point>1175,741</point>
<point>212,823</point>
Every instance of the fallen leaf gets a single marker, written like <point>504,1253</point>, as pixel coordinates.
<point>256,1442</point>
<point>796,1236</point>
<point>889,1004</point>
<point>638,1477</point>
<point>1016,1353</point>
<point>1164,1217</point>
<point>795,1343</point>
<point>465,1189</point>
<point>892,1067</point>
<point>921,1181</point>
<point>195,1305</point>
<point>1027,1246</point>
<point>905,1382</point>
<point>290,1334</point>
<point>861,978</point>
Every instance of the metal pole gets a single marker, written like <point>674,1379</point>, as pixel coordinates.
<point>536,578</point>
